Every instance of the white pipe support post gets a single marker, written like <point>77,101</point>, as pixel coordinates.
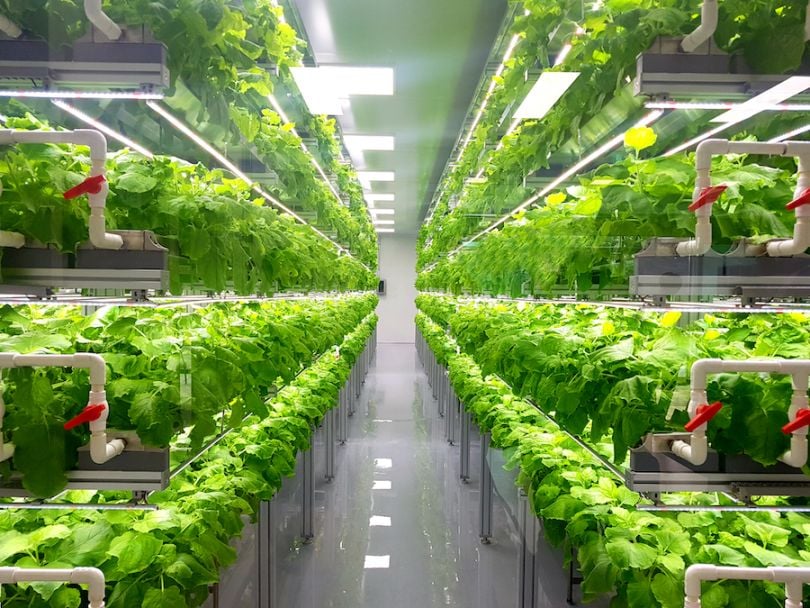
<point>6,448</point>
<point>100,19</point>
<point>801,230</point>
<point>9,28</point>
<point>92,578</point>
<point>709,18</point>
<point>95,140</point>
<point>793,579</point>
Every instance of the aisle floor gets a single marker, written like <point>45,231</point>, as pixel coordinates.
<point>396,528</point>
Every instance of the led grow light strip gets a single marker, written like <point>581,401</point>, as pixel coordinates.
<point>723,105</point>
<point>280,111</point>
<point>777,94</point>
<point>790,135</point>
<point>571,171</point>
<point>102,127</point>
<point>137,95</point>
<point>180,126</point>
<point>700,138</point>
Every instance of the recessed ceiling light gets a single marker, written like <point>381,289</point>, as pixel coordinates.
<point>369,142</point>
<point>391,211</point>
<point>384,222</point>
<point>781,92</point>
<point>377,561</point>
<point>386,230</point>
<point>325,88</point>
<point>387,198</point>
<point>366,177</point>
<point>546,92</point>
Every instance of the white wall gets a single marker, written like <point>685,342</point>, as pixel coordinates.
<point>397,307</point>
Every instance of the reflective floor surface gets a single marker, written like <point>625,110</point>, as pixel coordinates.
<point>396,528</point>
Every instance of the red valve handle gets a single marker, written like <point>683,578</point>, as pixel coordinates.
<point>802,419</point>
<point>704,414</point>
<point>804,199</point>
<point>91,413</point>
<point>707,197</point>
<point>92,185</point>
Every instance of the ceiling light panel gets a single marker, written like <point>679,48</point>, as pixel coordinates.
<point>384,222</point>
<point>546,92</point>
<point>383,143</point>
<point>325,88</point>
<point>380,198</point>
<point>367,177</point>
<point>386,230</point>
<point>775,95</point>
<point>383,211</point>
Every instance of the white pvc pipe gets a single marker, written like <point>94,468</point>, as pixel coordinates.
<point>101,450</point>
<point>696,449</point>
<point>792,578</point>
<point>99,237</point>
<point>9,28</point>
<point>108,27</point>
<point>709,18</point>
<point>93,578</point>
<point>702,242</point>
<point>11,239</point>
<point>6,449</point>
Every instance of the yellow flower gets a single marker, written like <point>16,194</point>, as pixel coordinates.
<point>552,200</point>
<point>608,328</point>
<point>711,334</point>
<point>640,138</point>
<point>670,319</point>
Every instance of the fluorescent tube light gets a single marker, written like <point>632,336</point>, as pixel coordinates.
<point>369,142</point>
<point>325,88</point>
<point>383,211</point>
<point>571,171</point>
<point>790,135</point>
<point>185,130</point>
<point>700,138</point>
<point>722,105</point>
<point>84,95</point>
<point>384,222</point>
<point>546,92</point>
<point>377,561</point>
<point>386,230</point>
<point>564,51</point>
<point>103,128</point>
<point>781,92</point>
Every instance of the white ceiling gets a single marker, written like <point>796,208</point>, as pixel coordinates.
<point>438,49</point>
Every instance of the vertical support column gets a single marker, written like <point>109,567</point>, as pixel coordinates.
<point>527,562</point>
<point>264,563</point>
<point>466,422</point>
<point>330,423</point>
<point>485,494</point>
<point>341,418</point>
<point>308,501</point>
<point>452,413</point>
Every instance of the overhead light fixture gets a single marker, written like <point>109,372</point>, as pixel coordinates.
<point>366,177</point>
<point>369,142</point>
<point>570,172</point>
<point>790,135</point>
<point>325,88</point>
<point>219,157</point>
<point>546,92</point>
<point>564,51</point>
<point>383,211</point>
<point>696,140</point>
<point>380,198</point>
<point>386,230</point>
<point>384,222</point>
<point>103,128</point>
<point>37,94</point>
<point>784,90</point>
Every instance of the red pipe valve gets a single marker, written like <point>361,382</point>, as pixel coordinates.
<point>92,185</point>
<point>804,199</point>
<point>707,196</point>
<point>704,414</point>
<point>802,420</point>
<point>91,413</point>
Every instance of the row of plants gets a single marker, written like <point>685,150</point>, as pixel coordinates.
<point>606,39</point>
<point>225,58</point>
<point>220,233</point>
<point>617,374</point>
<point>636,557</point>
<point>170,556</point>
<point>589,233</point>
<point>170,371</point>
